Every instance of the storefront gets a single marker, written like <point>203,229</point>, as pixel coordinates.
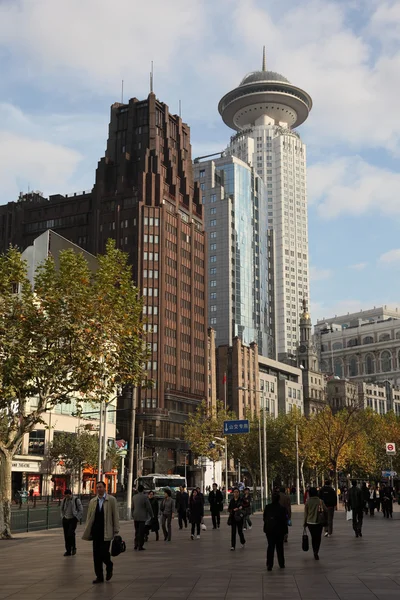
<point>89,480</point>
<point>26,476</point>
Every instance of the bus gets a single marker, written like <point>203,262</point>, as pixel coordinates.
<point>157,483</point>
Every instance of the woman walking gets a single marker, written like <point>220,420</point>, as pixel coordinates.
<point>315,515</point>
<point>247,506</point>
<point>236,516</point>
<point>196,513</point>
<point>153,524</point>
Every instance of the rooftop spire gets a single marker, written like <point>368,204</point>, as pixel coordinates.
<point>264,61</point>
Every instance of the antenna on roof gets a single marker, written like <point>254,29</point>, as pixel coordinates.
<point>180,108</point>
<point>264,61</point>
<point>122,92</point>
<point>151,77</point>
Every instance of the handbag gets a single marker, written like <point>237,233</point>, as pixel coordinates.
<point>118,546</point>
<point>304,541</point>
<point>349,515</point>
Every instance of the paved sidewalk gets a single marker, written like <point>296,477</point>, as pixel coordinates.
<point>32,566</point>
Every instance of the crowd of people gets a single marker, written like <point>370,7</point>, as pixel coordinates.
<point>150,515</point>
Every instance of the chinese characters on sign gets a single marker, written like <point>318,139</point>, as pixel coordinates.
<point>242,426</point>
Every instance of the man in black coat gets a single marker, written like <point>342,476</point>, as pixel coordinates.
<point>182,505</point>
<point>355,503</point>
<point>275,528</point>
<point>328,495</point>
<point>216,501</point>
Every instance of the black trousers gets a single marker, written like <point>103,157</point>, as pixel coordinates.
<point>358,515</point>
<point>182,518</point>
<point>216,517</point>
<point>316,535</point>
<point>69,526</point>
<point>275,542</point>
<point>331,513</point>
<point>197,526</point>
<point>101,554</point>
<point>140,531</point>
<point>237,526</point>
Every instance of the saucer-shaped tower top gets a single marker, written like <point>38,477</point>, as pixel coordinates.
<point>264,93</point>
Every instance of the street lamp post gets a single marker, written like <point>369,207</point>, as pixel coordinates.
<point>265,448</point>
<point>226,446</point>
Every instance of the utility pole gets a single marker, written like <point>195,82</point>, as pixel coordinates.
<point>129,486</point>
<point>100,440</point>
<point>226,444</point>
<point>297,467</point>
<point>261,461</point>
<point>265,451</point>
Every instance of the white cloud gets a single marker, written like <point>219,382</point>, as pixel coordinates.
<point>352,186</point>
<point>359,266</point>
<point>317,274</point>
<point>390,258</point>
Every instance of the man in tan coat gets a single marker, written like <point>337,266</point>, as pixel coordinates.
<point>102,524</point>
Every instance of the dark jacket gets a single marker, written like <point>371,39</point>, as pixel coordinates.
<point>355,500</point>
<point>328,495</point>
<point>216,500</point>
<point>247,503</point>
<point>364,493</point>
<point>233,504</point>
<point>275,520</point>
<point>181,501</point>
<point>154,525</point>
<point>196,509</point>
<point>141,507</point>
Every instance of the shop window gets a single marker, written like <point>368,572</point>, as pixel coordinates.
<point>37,442</point>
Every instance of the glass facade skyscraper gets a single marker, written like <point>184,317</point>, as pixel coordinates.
<point>235,208</point>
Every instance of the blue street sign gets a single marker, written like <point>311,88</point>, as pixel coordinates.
<point>242,426</point>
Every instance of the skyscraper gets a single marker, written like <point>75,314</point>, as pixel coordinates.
<point>235,210</point>
<point>264,110</point>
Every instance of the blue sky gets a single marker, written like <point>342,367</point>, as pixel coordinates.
<point>61,66</point>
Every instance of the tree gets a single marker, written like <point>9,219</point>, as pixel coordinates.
<point>79,451</point>
<point>75,335</point>
<point>203,428</point>
<point>246,448</point>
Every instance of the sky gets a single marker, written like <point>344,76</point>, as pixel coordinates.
<point>61,67</point>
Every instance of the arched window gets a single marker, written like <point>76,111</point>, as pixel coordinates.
<point>353,367</point>
<point>386,361</point>
<point>352,342</point>
<point>338,368</point>
<point>324,366</point>
<point>369,364</point>
<point>384,337</point>
<point>337,346</point>
<point>368,340</point>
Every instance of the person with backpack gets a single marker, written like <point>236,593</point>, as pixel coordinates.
<point>235,520</point>
<point>275,528</point>
<point>328,495</point>
<point>356,503</point>
<point>71,513</point>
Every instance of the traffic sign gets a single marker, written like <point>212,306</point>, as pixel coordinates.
<point>390,448</point>
<point>241,426</point>
<point>389,474</point>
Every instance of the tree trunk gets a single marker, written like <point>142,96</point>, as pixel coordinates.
<point>5,494</point>
<point>302,475</point>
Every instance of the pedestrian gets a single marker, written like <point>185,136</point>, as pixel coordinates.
<point>356,503</point>
<point>345,496</point>
<point>313,510</point>
<point>167,510</point>
<point>371,500</point>
<point>153,524</point>
<point>196,513</point>
<point>236,516</point>
<point>181,506</point>
<point>328,495</point>
<point>365,496</point>
<point>378,497</point>
<point>284,500</point>
<point>387,502</point>
<point>247,507</point>
<point>275,528</point>
<point>71,514</point>
<point>141,511</point>
<point>306,494</point>
<point>216,501</point>
<point>199,493</point>
<point>102,524</point>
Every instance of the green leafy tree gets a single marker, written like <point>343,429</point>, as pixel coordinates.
<point>75,335</point>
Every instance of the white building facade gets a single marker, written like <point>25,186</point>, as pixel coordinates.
<point>263,110</point>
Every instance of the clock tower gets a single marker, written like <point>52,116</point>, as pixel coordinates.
<point>314,383</point>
